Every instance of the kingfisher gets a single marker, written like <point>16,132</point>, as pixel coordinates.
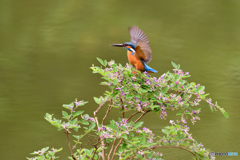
<point>138,50</point>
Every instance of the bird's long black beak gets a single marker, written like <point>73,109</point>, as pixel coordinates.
<point>117,45</point>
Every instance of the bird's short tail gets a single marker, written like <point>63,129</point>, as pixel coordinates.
<point>148,69</point>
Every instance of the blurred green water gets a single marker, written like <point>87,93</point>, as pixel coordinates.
<point>47,48</point>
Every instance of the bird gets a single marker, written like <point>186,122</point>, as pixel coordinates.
<point>138,50</point>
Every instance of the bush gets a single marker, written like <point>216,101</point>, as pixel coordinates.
<point>138,94</point>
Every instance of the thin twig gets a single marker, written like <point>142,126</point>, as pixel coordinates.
<point>96,120</point>
<point>133,115</point>
<point>122,107</point>
<point>120,141</point>
<point>80,152</point>
<point>94,152</point>
<point>142,116</point>
<point>110,152</point>
<point>69,144</point>
<point>109,109</point>
<point>99,107</point>
<point>163,147</point>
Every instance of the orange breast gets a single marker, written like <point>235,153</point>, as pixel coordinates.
<point>135,61</point>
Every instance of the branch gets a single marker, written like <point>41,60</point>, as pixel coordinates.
<point>96,120</point>
<point>116,148</point>
<point>99,108</point>
<point>142,116</point>
<point>122,138</point>
<point>133,115</point>
<point>163,147</point>
<point>109,108</point>
<point>69,144</point>
<point>94,152</point>
<point>110,152</point>
<point>122,107</point>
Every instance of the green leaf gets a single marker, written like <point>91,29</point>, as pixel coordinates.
<point>165,131</point>
<point>97,100</point>
<point>105,63</point>
<point>186,76</point>
<point>200,88</point>
<point>179,113</point>
<point>174,65</point>
<point>131,135</point>
<point>84,122</point>
<point>177,77</point>
<point>115,93</point>
<point>138,124</point>
<point>124,136</point>
<point>65,114</point>
<point>164,90</point>
<point>155,106</point>
<point>100,60</point>
<point>178,134</point>
<point>143,140</point>
<point>104,83</point>
<point>48,117</point>
<point>211,107</point>
<point>225,113</point>
<point>77,113</point>
<point>124,146</point>
<point>149,144</point>
<point>206,94</point>
<point>178,66</point>
<point>115,81</point>
<point>92,126</point>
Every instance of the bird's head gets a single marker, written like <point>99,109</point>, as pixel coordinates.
<point>128,45</point>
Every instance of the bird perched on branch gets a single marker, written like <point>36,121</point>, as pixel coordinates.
<point>138,50</point>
